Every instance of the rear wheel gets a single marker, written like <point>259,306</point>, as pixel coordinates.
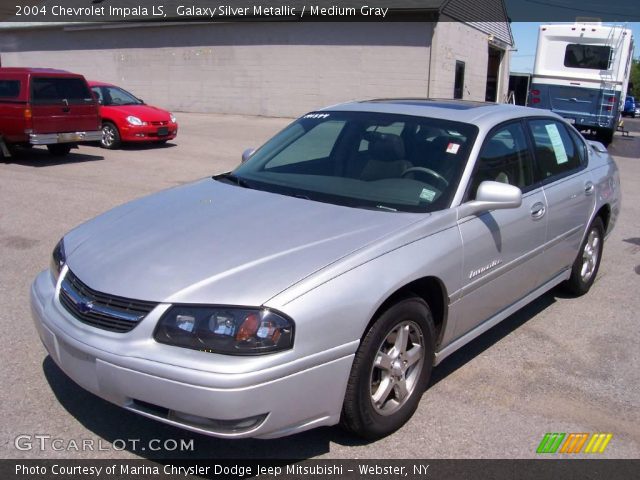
<point>606,136</point>
<point>390,371</point>
<point>59,149</point>
<point>110,136</point>
<point>585,267</point>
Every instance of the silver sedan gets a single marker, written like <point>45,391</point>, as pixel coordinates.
<point>321,281</point>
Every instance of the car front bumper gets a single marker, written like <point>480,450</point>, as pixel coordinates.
<point>268,403</point>
<point>148,133</point>
<point>67,137</point>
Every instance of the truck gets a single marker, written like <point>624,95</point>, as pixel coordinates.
<point>43,106</point>
<point>581,72</point>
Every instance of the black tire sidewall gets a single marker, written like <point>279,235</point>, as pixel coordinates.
<point>116,140</point>
<point>370,424</point>
<point>576,284</point>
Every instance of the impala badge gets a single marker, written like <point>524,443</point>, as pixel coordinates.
<point>475,273</point>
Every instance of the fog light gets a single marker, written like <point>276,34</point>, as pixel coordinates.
<point>219,426</point>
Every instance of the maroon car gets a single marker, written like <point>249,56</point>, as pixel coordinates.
<point>43,106</point>
<point>126,118</point>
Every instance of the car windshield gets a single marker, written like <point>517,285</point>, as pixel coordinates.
<point>363,159</point>
<point>114,96</point>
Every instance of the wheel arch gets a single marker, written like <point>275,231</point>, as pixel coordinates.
<point>605,214</point>
<point>430,289</point>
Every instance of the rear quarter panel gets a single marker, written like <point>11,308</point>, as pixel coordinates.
<point>12,119</point>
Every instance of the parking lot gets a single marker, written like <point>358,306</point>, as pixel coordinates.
<point>560,365</point>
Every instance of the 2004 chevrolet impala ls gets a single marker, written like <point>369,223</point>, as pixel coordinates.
<point>321,280</point>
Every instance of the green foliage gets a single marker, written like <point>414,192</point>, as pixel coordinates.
<point>634,80</point>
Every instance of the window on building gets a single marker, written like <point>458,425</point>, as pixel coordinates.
<point>595,57</point>
<point>458,87</point>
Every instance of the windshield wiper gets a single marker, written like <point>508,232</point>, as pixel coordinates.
<point>233,178</point>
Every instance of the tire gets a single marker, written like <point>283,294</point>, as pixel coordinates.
<point>375,403</point>
<point>59,149</point>
<point>586,265</point>
<point>606,136</point>
<point>110,136</point>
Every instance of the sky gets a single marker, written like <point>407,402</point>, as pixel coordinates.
<point>525,35</point>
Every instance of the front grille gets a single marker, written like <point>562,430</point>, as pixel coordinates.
<point>108,312</point>
<point>160,124</point>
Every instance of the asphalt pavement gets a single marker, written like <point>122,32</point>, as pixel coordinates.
<point>559,365</point>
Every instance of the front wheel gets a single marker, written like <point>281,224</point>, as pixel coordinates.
<point>110,136</point>
<point>390,371</point>
<point>585,267</point>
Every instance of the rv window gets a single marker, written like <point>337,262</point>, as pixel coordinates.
<point>595,57</point>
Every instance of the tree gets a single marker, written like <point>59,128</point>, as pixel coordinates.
<point>634,78</point>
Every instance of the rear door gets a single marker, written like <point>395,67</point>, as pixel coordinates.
<point>561,158</point>
<point>502,248</point>
<point>62,104</point>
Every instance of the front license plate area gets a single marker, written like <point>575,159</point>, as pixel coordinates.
<point>163,131</point>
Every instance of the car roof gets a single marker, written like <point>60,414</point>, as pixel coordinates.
<point>456,110</point>
<point>46,71</point>
<point>93,83</point>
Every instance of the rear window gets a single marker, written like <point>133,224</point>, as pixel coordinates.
<point>56,90</point>
<point>9,88</point>
<point>594,57</point>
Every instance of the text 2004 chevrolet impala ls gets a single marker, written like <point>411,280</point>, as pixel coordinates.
<point>320,281</point>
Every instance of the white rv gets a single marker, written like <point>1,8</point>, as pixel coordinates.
<point>582,72</point>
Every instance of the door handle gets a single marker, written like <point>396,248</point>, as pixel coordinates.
<point>538,210</point>
<point>589,188</point>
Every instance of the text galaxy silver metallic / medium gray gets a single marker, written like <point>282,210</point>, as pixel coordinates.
<point>321,280</point>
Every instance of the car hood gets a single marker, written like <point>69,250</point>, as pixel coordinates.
<point>210,242</point>
<point>146,113</point>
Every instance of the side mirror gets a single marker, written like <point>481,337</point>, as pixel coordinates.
<point>96,97</point>
<point>246,155</point>
<point>491,196</point>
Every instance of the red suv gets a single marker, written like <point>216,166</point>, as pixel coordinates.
<point>49,107</point>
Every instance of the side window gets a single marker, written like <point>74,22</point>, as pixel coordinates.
<point>504,158</point>
<point>580,146</point>
<point>316,144</point>
<point>556,153</point>
<point>98,92</point>
<point>9,88</point>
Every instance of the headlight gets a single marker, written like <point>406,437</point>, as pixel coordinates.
<point>173,118</point>
<point>225,330</point>
<point>135,121</point>
<point>58,259</point>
